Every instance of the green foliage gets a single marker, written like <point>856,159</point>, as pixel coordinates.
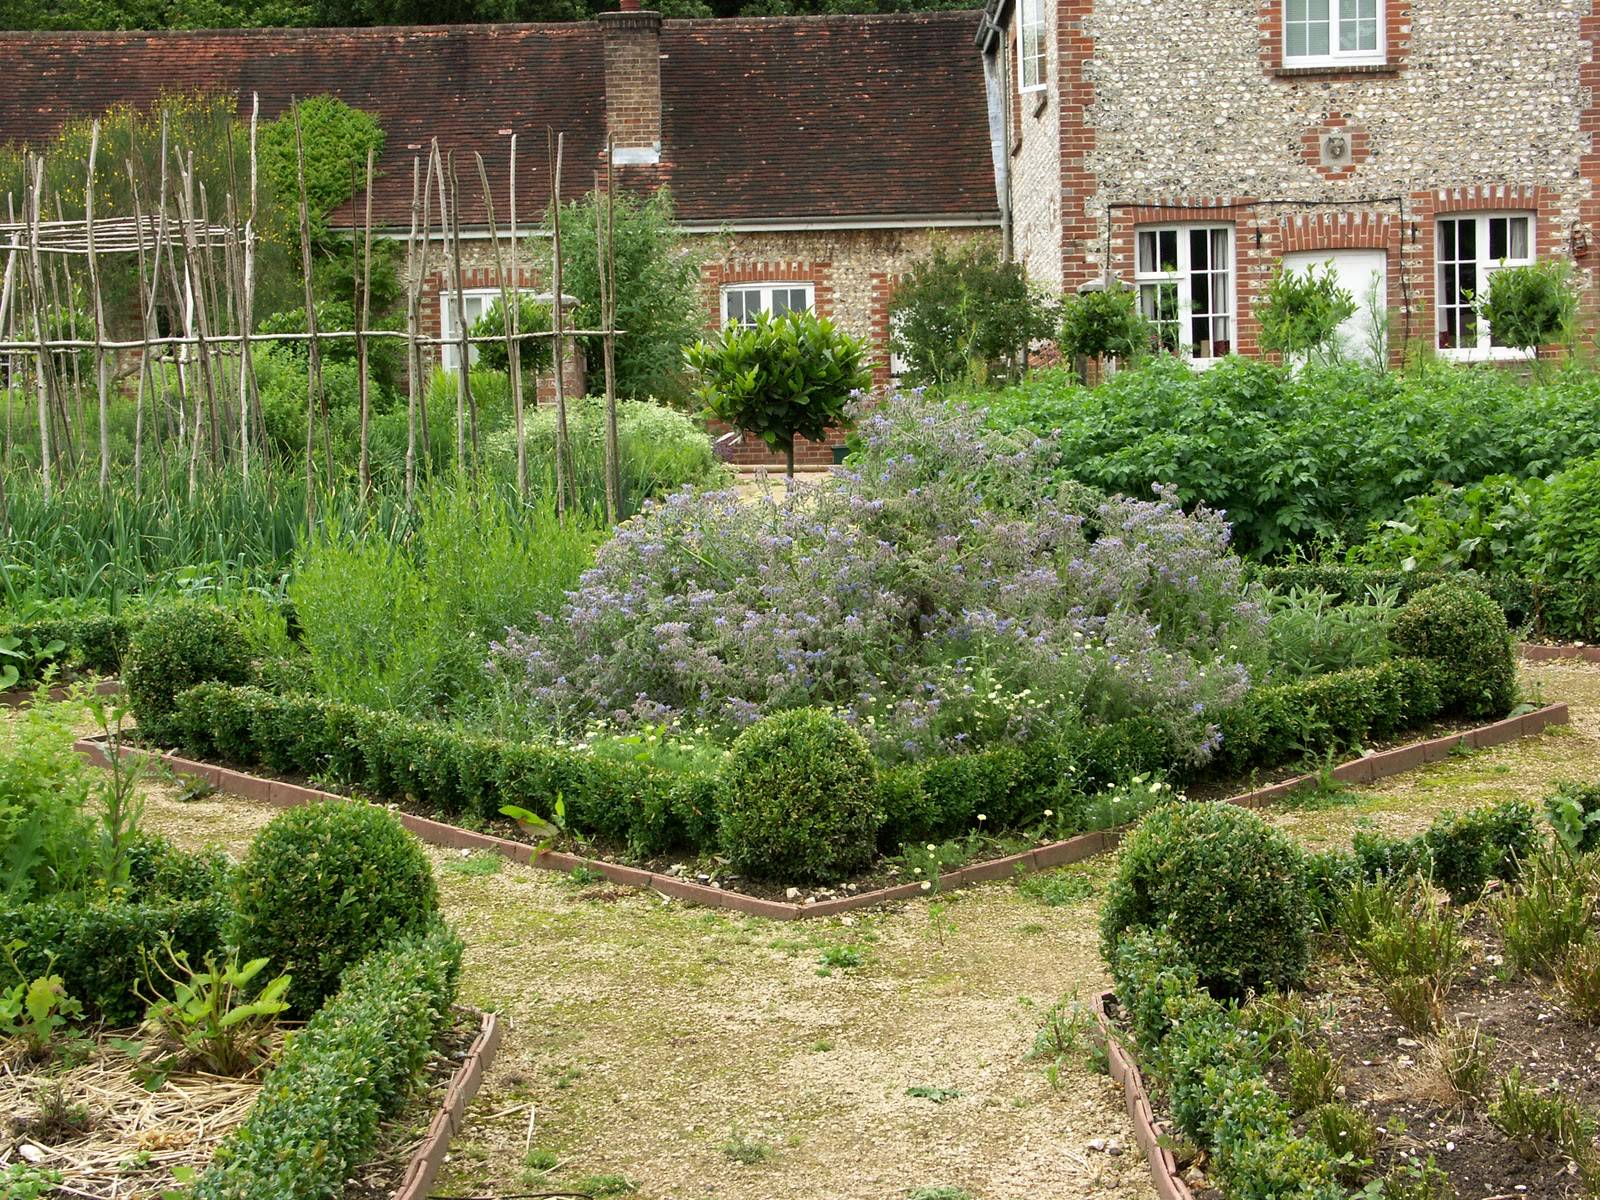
<point>47,842</point>
<point>800,799</point>
<point>335,138</point>
<point>1314,1075</point>
<point>406,626</point>
<point>1105,323</point>
<point>658,297</point>
<point>1299,459</point>
<point>1313,633</point>
<point>1484,526</point>
<point>1329,876</point>
<point>1531,306</point>
<point>1465,1058</point>
<point>1300,313</point>
<point>1412,948</point>
<point>1462,854</point>
<point>1226,885</point>
<point>1567,549</point>
<point>1539,1121</point>
<point>324,885</point>
<point>217,1019</point>
<point>966,315</point>
<point>1350,1136</point>
<point>316,1117</point>
<point>1465,632</point>
<point>35,1011</point>
<point>1573,811</point>
<point>537,353</point>
<point>69,938</point>
<point>1578,976</point>
<point>1545,915</point>
<point>91,644</point>
<point>177,647</point>
<point>780,378</point>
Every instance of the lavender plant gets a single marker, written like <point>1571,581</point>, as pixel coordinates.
<point>934,593</point>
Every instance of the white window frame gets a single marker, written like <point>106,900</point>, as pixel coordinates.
<point>448,334</point>
<point>1033,47</point>
<point>1340,12</point>
<point>1148,277</point>
<point>765,288</point>
<point>1483,348</point>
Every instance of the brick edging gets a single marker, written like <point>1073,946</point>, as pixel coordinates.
<point>19,697</point>
<point>429,1157</point>
<point>1147,1131</point>
<point>1056,854</point>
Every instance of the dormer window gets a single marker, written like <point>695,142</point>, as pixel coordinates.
<point>1333,33</point>
<point>1032,52</point>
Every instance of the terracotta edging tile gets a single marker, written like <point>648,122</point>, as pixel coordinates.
<point>424,1166</point>
<point>1053,854</point>
<point>1146,1129</point>
<point>1541,653</point>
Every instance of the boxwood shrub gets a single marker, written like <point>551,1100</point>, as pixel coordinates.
<point>1226,885</point>
<point>1465,634</point>
<point>100,949</point>
<point>325,884</point>
<point>175,649</point>
<point>318,1111</point>
<point>800,800</point>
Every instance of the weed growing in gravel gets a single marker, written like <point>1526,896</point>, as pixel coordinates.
<point>841,958</point>
<point>1064,1035</point>
<point>938,1193</point>
<point>476,864</point>
<point>1056,889</point>
<point>540,1159</point>
<point>607,1185</point>
<point>745,1151</point>
<point>939,1095</point>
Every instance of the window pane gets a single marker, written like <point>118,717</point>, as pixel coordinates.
<point>1498,238</point>
<point>1295,11</point>
<point>1169,250</point>
<point>1147,253</point>
<point>736,306</point>
<point>1317,38</point>
<point>1294,41</point>
<point>1199,250</point>
<point>780,302</point>
<point>1200,293</point>
<point>1519,238</point>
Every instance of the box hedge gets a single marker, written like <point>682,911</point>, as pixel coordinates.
<point>317,1114</point>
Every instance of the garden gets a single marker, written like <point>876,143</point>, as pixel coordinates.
<point>1025,618</point>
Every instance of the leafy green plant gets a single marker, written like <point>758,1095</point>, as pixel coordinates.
<point>35,1011</point>
<point>1065,1034</point>
<point>1567,549</point>
<point>532,316</point>
<point>939,1095</point>
<point>1300,313</point>
<point>20,1181</point>
<point>325,884</point>
<point>1531,306</point>
<point>841,958</point>
<point>1411,1180</point>
<point>1313,633</point>
<point>47,843</point>
<point>1573,811</point>
<point>335,138</point>
<point>965,314</point>
<point>217,1019</point>
<point>1104,323</point>
<point>800,799</point>
<point>1225,884</point>
<point>1411,947</point>
<point>1056,889</point>
<point>780,378</point>
<point>747,1152</point>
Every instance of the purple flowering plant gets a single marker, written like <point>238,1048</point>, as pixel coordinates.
<point>933,592</point>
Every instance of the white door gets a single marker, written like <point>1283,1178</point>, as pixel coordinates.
<point>1365,275</point>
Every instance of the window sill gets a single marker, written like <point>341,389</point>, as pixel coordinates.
<point>1490,354</point>
<point>1336,70</point>
<point>1041,102</point>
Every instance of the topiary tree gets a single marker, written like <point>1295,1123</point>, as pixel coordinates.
<point>178,647</point>
<point>1462,630</point>
<point>1226,885</point>
<point>1300,314</point>
<point>537,353</point>
<point>324,885</point>
<point>1105,323</point>
<point>800,799</point>
<point>1531,306</point>
<point>967,314</point>
<point>780,377</point>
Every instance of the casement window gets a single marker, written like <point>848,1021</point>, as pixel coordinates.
<point>1333,33</point>
<point>1032,55</point>
<point>741,303</point>
<point>1472,247</point>
<point>474,303</point>
<point>1185,279</point>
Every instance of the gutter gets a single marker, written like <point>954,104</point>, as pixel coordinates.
<point>987,220</point>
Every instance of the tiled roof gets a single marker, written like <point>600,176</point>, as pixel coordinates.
<point>783,119</point>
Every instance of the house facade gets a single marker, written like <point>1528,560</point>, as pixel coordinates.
<point>1187,148</point>
<point>810,161</point>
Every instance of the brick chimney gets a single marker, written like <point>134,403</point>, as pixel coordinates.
<point>633,82</point>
